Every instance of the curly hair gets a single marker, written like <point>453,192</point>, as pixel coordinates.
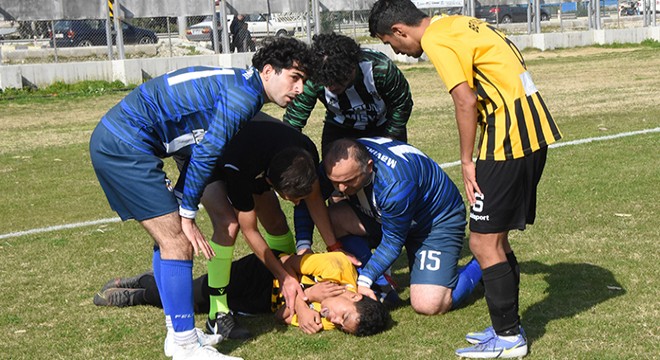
<point>284,53</point>
<point>386,13</point>
<point>292,172</point>
<point>374,317</point>
<point>335,56</point>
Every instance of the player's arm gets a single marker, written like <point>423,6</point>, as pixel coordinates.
<point>247,221</point>
<point>302,219</point>
<point>203,160</point>
<point>465,103</point>
<point>395,91</point>
<point>396,203</point>
<point>299,110</point>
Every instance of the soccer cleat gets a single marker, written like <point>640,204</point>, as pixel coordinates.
<point>225,325</point>
<point>481,336</point>
<point>129,283</point>
<point>496,347</point>
<point>388,297</point>
<point>119,297</point>
<point>199,352</point>
<point>169,347</point>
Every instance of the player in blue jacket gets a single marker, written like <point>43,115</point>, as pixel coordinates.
<point>398,197</point>
<point>190,112</point>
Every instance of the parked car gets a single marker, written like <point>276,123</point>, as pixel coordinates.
<point>203,30</point>
<point>92,33</point>
<point>505,13</point>
<point>257,25</point>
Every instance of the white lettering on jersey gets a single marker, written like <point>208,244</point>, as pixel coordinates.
<point>177,79</point>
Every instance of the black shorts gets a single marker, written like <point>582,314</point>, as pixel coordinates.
<point>249,290</point>
<point>509,193</point>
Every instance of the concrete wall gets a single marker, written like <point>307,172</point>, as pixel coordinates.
<point>135,71</point>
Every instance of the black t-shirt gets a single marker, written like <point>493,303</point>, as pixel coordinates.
<point>248,154</point>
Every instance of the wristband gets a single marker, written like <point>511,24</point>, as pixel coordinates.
<point>364,281</point>
<point>334,247</point>
<point>188,214</point>
<point>303,245</point>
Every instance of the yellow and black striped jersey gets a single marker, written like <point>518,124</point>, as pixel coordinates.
<point>513,117</point>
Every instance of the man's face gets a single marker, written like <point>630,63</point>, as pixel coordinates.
<point>342,312</point>
<point>348,176</point>
<point>339,88</point>
<point>401,43</point>
<point>282,88</point>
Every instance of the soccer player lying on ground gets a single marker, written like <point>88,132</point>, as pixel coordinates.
<point>398,197</point>
<point>333,302</point>
<point>265,153</point>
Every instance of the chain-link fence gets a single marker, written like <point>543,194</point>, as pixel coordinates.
<point>65,40</point>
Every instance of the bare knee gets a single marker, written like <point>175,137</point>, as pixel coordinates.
<point>430,299</point>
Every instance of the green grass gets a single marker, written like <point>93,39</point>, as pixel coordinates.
<point>589,265</point>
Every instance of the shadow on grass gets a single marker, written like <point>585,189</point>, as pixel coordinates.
<point>572,289</point>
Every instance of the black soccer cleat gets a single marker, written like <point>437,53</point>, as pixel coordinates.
<point>120,297</point>
<point>126,283</point>
<point>225,325</point>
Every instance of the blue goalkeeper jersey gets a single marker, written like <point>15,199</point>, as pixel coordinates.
<point>409,194</point>
<point>191,111</point>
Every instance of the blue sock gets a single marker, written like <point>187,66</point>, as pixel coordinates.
<point>176,290</point>
<point>155,265</point>
<point>468,278</point>
<point>359,246</point>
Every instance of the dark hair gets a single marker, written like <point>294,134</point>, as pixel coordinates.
<point>374,317</point>
<point>292,172</point>
<point>386,13</point>
<point>344,149</point>
<point>283,53</point>
<point>335,57</point>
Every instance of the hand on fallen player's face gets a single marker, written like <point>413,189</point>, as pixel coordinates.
<point>323,290</point>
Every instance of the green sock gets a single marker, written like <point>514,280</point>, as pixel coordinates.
<point>284,243</point>
<point>219,268</point>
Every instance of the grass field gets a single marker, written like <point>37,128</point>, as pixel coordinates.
<point>590,266</point>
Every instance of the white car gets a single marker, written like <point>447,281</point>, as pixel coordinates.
<point>202,31</point>
<point>257,25</point>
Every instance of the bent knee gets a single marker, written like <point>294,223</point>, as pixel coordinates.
<point>430,299</point>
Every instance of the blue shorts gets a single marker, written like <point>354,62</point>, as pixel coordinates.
<point>432,256</point>
<point>134,182</point>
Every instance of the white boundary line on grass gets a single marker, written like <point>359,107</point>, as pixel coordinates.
<point>445,165</point>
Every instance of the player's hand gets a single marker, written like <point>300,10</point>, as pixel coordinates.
<point>352,258</point>
<point>366,291</point>
<point>196,238</point>
<point>290,289</point>
<point>309,321</point>
<point>324,290</point>
<point>470,181</point>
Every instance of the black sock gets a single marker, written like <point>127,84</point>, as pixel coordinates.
<point>501,297</point>
<point>513,261</point>
<point>151,295</point>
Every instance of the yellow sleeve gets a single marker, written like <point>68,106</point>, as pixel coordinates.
<point>333,266</point>
<point>450,56</point>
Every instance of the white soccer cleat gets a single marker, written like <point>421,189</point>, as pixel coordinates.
<point>199,352</point>
<point>203,339</point>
